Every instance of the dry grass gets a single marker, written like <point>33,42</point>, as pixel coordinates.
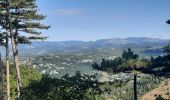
<point>163,90</point>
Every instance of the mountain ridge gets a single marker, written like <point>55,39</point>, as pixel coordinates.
<point>74,46</point>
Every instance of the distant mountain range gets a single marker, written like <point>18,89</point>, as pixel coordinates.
<point>70,47</point>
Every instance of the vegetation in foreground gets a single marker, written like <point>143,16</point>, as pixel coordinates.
<point>21,16</point>
<point>37,86</point>
<point>130,63</point>
<point>27,75</point>
<point>162,91</point>
<point>77,87</point>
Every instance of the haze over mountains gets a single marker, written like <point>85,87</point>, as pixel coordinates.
<point>70,47</point>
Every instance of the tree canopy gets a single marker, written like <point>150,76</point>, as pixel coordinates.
<point>76,87</point>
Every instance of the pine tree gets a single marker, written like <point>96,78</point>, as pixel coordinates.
<point>134,67</point>
<point>4,12</point>
<point>25,20</point>
<point>22,17</point>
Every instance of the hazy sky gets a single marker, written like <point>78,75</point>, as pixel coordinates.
<point>98,19</point>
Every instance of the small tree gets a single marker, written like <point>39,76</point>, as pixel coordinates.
<point>159,97</point>
<point>134,66</point>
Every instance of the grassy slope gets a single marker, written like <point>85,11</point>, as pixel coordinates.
<point>163,90</point>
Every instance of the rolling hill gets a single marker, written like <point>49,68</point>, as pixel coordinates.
<point>145,46</point>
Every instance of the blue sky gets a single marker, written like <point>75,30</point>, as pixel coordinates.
<point>98,19</point>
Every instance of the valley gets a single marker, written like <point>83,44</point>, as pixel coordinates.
<point>84,50</point>
<point>67,57</point>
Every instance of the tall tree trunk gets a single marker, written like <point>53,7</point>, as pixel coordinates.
<point>7,68</point>
<point>7,49</point>
<point>16,62</point>
<point>135,87</point>
<point>1,91</point>
<point>16,57</point>
<point>15,53</point>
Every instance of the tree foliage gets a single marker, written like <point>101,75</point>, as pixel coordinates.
<point>168,21</point>
<point>128,62</point>
<point>129,54</point>
<point>166,49</point>
<point>28,75</point>
<point>23,20</point>
<point>76,87</point>
<point>2,39</point>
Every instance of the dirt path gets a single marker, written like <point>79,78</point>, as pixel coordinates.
<point>163,90</point>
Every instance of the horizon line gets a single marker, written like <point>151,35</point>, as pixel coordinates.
<point>103,39</point>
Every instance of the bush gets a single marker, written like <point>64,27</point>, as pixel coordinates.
<point>77,87</point>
